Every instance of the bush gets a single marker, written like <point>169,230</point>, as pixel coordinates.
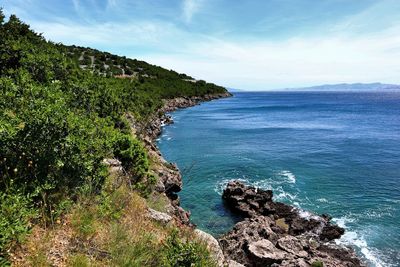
<point>16,212</point>
<point>317,264</point>
<point>132,154</point>
<point>185,253</point>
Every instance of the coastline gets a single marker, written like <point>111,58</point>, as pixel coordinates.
<point>225,250</point>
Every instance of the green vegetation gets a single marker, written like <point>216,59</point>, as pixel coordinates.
<point>180,252</point>
<point>62,112</point>
<point>317,264</point>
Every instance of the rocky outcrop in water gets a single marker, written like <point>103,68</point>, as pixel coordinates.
<point>277,234</point>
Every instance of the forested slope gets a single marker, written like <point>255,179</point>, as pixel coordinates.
<point>62,112</point>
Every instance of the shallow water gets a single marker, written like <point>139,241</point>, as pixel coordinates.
<point>336,153</point>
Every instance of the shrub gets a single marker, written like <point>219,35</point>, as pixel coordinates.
<point>132,155</point>
<point>185,253</point>
<point>317,264</point>
<point>16,212</point>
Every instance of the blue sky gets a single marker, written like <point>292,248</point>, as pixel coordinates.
<point>248,44</point>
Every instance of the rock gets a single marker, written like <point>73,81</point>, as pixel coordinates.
<point>112,162</point>
<point>171,178</point>
<point>246,200</point>
<point>338,254</point>
<point>277,234</point>
<point>232,263</point>
<point>182,215</point>
<point>250,201</point>
<point>264,253</point>
<point>294,263</point>
<point>235,242</point>
<point>159,216</point>
<point>330,232</point>
<point>292,245</point>
<point>213,246</point>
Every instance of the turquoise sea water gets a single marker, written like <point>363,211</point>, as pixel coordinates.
<point>335,153</point>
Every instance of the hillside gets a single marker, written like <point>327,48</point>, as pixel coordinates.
<point>78,170</point>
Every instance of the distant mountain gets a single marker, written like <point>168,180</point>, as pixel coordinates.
<point>348,87</point>
<point>234,90</point>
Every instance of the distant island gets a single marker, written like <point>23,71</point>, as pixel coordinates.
<point>348,87</point>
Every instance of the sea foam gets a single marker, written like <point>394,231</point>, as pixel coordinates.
<point>353,238</point>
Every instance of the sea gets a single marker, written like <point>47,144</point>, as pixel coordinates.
<point>323,152</point>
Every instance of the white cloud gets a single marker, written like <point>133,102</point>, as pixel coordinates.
<point>189,8</point>
<point>296,62</point>
<point>340,56</point>
<point>110,35</point>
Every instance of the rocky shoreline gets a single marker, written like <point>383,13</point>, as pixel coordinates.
<point>277,234</point>
<point>271,234</point>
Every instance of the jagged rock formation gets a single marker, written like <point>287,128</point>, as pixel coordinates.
<point>276,234</point>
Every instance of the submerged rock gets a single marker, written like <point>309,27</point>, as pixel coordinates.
<point>277,234</point>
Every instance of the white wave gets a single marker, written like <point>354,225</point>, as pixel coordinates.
<point>352,238</point>
<point>308,215</point>
<point>289,176</point>
<point>220,186</point>
<point>169,138</point>
<point>281,194</point>
<point>322,200</point>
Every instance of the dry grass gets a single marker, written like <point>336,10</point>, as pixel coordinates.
<point>110,229</point>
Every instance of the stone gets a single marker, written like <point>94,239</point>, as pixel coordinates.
<point>112,162</point>
<point>292,245</point>
<point>212,245</point>
<point>331,232</point>
<point>159,216</point>
<point>232,263</point>
<point>264,253</point>
<point>235,242</point>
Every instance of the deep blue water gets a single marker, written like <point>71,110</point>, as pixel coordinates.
<point>336,153</point>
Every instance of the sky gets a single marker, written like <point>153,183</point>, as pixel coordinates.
<point>245,44</point>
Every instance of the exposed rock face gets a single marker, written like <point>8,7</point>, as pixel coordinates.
<point>276,234</point>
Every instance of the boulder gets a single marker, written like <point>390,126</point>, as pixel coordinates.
<point>247,201</point>
<point>264,253</point>
<point>292,245</point>
<point>330,232</point>
<point>159,216</point>
<point>212,245</point>
<point>235,242</point>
